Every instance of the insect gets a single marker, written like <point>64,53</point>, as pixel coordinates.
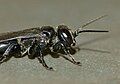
<point>37,42</point>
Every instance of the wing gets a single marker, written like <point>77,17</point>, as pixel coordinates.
<point>23,33</point>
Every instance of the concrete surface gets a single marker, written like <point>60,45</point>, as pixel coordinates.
<point>99,54</point>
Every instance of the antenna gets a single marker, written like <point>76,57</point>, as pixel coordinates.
<point>80,30</point>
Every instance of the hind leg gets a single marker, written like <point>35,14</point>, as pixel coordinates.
<point>4,58</point>
<point>7,54</point>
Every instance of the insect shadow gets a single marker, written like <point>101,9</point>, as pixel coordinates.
<point>101,38</point>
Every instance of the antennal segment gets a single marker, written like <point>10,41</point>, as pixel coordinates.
<point>93,31</point>
<point>80,30</point>
<point>92,21</point>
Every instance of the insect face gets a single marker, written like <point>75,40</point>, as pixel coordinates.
<point>65,36</point>
<point>65,41</point>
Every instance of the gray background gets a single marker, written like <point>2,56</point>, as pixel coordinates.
<point>99,54</point>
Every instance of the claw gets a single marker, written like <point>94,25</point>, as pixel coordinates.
<point>74,61</point>
<point>50,68</point>
<point>77,63</point>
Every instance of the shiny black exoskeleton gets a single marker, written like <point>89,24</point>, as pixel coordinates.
<point>31,45</point>
<point>65,42</point>
<point>7,49</point>
<point>41,41</point>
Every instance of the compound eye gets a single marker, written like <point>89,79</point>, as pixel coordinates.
<point>65,36</point>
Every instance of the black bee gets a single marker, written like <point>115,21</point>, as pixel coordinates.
<point>37,42</point>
